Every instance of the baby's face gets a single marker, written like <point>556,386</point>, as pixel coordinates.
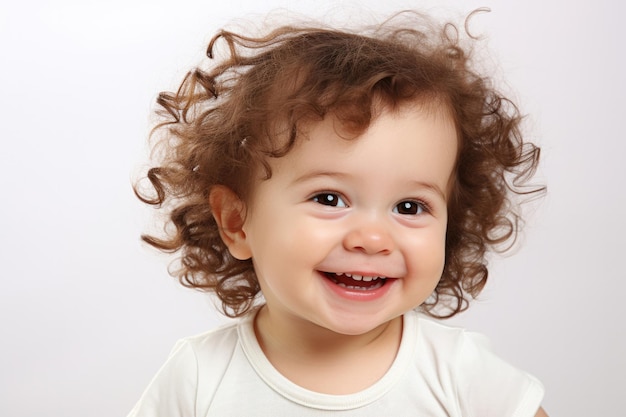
<point>349,234</point>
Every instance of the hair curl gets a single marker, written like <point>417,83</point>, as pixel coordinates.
<point>223,122</point>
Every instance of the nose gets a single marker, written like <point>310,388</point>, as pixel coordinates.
<point>370,238</point>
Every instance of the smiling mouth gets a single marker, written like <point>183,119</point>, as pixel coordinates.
<point>356,282</point>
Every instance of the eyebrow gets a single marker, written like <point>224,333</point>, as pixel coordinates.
<point>433,187</point>
<point>315,174</point>
<point>333,174</point>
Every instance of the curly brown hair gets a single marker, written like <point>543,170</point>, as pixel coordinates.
<point>222,125</point>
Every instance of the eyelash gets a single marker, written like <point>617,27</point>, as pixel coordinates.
<point>336,200</point>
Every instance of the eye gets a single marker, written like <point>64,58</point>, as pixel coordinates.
<point>410,208</point>
<point>329,199</point>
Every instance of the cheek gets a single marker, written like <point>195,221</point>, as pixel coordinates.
<point>284,241</point>
<point>426,253</point>
<point>295,232</point>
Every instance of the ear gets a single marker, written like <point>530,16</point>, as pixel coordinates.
<point>228,212</point>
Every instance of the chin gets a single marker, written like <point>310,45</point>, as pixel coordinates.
<point>356,326</point>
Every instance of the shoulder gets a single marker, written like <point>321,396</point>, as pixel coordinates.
<point>450,343</point>
<point>462,363</point>
<point>205,357</point>
<point>447,341</point>
<point>212,346</point>
<point>195,364</point>
<point>211,341</point>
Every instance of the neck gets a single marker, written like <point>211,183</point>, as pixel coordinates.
<point>321,360</point>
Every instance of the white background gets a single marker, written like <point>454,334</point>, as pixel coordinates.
<point>88,314</point>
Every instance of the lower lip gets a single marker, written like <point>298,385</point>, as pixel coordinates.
<point>358,295</point>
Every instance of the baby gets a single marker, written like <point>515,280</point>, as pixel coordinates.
<point>334,189</point>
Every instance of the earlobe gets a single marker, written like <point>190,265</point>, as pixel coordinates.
<point>228,212</point>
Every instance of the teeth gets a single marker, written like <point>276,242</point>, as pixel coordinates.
<point>356,277</point>
<point>350,287</point>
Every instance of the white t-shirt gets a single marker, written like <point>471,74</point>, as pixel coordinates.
<point>438,371</point>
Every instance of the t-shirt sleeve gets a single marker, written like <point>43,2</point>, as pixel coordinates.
<point>172,391</point>
<point>491,387</point>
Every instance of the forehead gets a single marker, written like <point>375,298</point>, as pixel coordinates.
<point>413,142</point>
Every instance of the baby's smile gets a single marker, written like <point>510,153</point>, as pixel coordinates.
<point>355,281</point>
